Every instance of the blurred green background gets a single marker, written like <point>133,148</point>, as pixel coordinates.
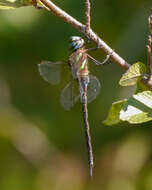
<point>42,146</point>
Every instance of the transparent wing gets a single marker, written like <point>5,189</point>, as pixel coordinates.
<point>93,88</point>
<point>50,71</point>
<point>69,95</point>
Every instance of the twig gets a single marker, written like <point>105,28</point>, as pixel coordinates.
<point>149,46</point>
<point>87,14</point>
<point>90,33</point>
<point>149,54</point>
<point>150,22</point>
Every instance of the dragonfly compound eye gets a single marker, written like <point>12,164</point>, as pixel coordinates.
<point>76,42</point>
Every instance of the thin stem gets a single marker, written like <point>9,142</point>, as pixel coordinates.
<point>87,14</point>
<point>150,22</point>
<point>149,46</point>
<point>90,33</point>
<point>149,54</point>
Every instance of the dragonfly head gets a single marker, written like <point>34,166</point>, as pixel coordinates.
<point>76,42</point>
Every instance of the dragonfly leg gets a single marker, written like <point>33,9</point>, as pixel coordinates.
<point>98,62</point>
<point>92,49</point>
<point>95,48</point>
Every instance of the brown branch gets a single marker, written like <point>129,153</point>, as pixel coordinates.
<point>149,46</point>
<point>149,54</point>
<point>150,22</point>
<point>87,14</point>
<point>90,33</point>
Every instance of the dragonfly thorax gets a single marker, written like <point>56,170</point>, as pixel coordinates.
<point>79,63</point>
<point>76,42</point>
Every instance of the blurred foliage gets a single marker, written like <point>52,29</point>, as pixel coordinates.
<point>138,108</point>
<point>42,146</point>
<point>11,4</point>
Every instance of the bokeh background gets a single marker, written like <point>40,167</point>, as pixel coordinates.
<point>42,146</point>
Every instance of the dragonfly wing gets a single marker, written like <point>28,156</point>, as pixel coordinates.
<point>50,71</point>
<point>69,95</point>
<point>93,88</point>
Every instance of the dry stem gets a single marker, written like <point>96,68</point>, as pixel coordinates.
<point>149,54</point>
<point>87,14</point>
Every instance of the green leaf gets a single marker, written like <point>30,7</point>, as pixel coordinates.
<point>114,113</point>
<point>12,4</point>
<point>132,75</point>
<point>138,108</point>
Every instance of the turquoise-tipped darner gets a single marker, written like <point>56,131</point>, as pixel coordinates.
<point>87,88</point>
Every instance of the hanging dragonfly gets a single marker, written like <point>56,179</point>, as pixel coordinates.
<point>83,86</point>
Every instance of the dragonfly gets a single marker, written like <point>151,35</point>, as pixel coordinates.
<point>82,86</point>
